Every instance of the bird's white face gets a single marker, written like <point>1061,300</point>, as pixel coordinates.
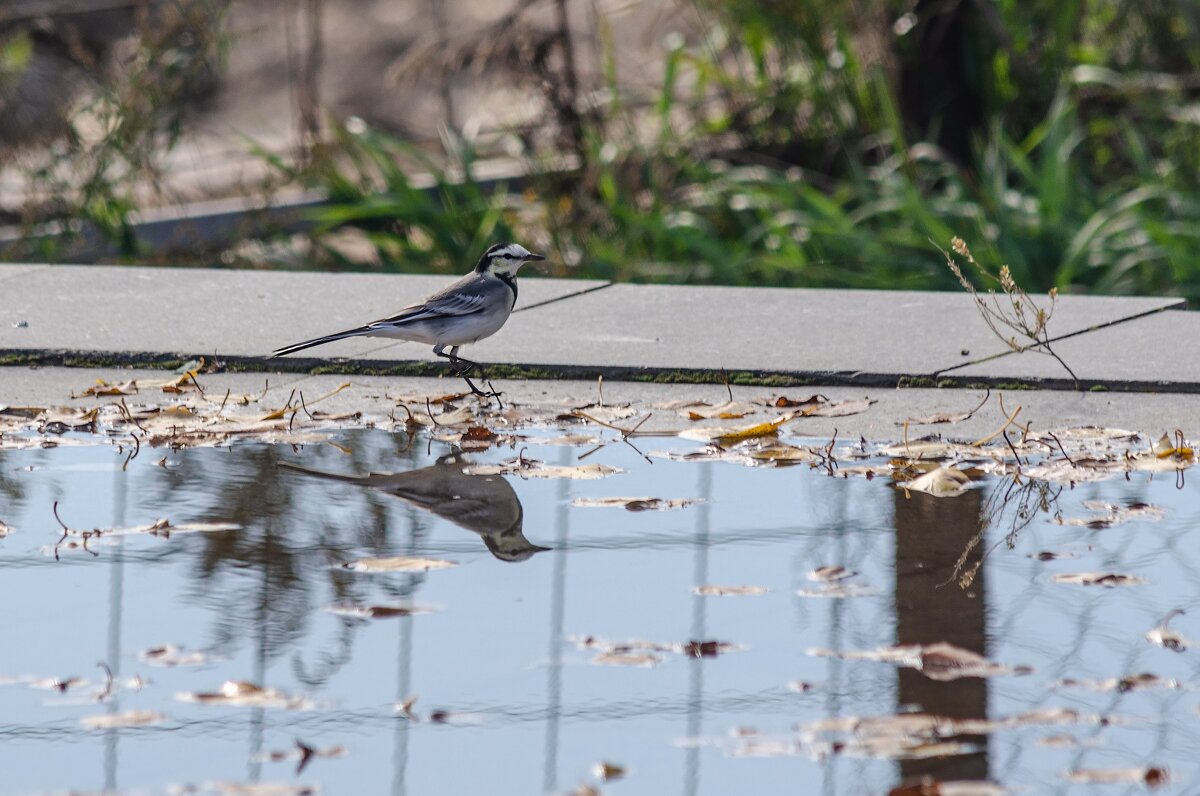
<point>507,258</point>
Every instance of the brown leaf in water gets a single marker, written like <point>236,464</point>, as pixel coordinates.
<point>938,661</point>
<point>477,438</point>
<point>638,659</point>
<point>838,591</point>
<point>608,772</point>
<point>780,453</point>
<point>830,573</point>
<point>1106,579</point>
<point>301,752</point>
<point>725,436</point>
<point>1121,685</point>
<point>529,468</point>
<point>730,410</point>
<point>1109,514</point>
<point>635,503</point>
<point>942,482</point>
<point>240,693</point>
<point>171,655</point>
<point>104,388</point>
<point>783,402</point>
<point>225,788</point>
<point>707,649</point>
<point>729,591</point>
<point>840,408</point>
<point>1163,636</point>
<point>397,564</point>
<point>932,787</point>
<point>1152,776</point>
<point>129,718</point>
<point>378,611</point>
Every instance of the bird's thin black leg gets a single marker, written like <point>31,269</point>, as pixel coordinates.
<point>458,363</point>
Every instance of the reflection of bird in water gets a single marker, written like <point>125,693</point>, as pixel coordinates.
<point>485,504</point>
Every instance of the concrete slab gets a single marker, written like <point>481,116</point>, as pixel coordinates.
<point>814,333</point>
<point>111,309</point>
<point>14,270</point>
<point>883,421</point>
<point>1160,351</point>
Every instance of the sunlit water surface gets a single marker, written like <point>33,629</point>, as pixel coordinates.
<point>525,708</point>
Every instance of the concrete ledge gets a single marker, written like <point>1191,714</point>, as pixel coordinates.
<point>139,317</point>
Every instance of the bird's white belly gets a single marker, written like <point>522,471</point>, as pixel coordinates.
<point>451,331</point>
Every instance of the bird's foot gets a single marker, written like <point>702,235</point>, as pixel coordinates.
<point>490,393</point>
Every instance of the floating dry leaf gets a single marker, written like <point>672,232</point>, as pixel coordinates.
<point>780,453</point>
<point>1109,514</point>
<point>942,482</point>
<point>301,752</point>
<point>171,655</point>
<point>608,772</point>
<point>830,573</point>
<point>1106,579</point>
<point>530,468</point>
<point>729,591</point>
<point>225,788</point>
<point>1152,776</point>
<point>959,787</point>
<point>730,410</point>
<point>1134,682</point>
<point>379,611</point>
<point>397,564</point>
<point>636,503</point>
<point>940,661</point>
<point>130,718</point>
<point>726,436</point>
<point>839,591</point>
<point>839,408</point>
<point>104,388</point>
<point>638,659</point>
<point>1163,636</point>
<point>239,693</point>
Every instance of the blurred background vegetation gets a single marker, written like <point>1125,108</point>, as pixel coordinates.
<point>749,142</point>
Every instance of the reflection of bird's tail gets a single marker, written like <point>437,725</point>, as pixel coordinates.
<point>329,338</point>
<point>353,479</point>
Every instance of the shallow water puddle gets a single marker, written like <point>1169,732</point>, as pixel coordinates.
<point>518,602</point>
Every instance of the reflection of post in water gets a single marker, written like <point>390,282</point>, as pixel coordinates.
<point>695,716</point>
<point>484,504</point>
<point>931,535</point>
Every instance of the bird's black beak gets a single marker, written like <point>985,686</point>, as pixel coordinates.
<point>531,257</point>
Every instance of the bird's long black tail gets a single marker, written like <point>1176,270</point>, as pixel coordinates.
<point>329,338</point>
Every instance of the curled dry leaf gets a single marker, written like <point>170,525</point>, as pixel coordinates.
<point>1152,776</point>
<point>379,611</point>
<point>943,482</point>
<point>830,573</point>
<point>239,693</point>
<point>397,564</point>
<point>779,453</point>
<point>839,408</point>
<point>1106,579</point>
<point>726,436</point>
<point>729,591</point>
<point>171,655</point>
<point>130,718</point>
<point>104,388</point>
<point>636,503</point>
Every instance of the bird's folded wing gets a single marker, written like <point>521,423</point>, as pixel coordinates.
<point>454,304</point>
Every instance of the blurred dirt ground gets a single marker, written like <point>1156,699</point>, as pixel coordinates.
<point>366,67</point>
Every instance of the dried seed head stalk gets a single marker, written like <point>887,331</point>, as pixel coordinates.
<point>1017,319</point>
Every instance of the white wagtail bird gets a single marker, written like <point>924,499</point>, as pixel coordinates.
<point>467,311</point>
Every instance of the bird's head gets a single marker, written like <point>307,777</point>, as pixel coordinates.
<point>505,259</point>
